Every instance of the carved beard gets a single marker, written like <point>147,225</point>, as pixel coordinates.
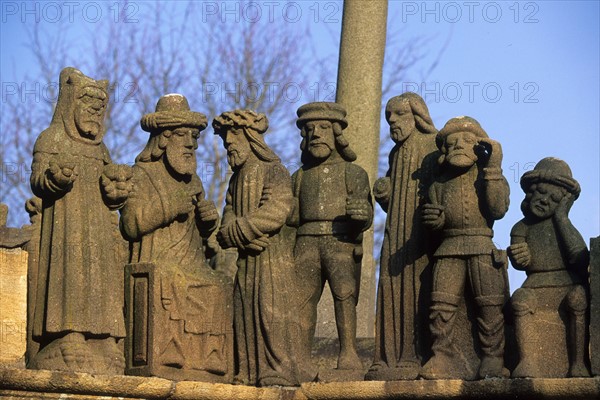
<point>182,161</point>
<point>236,157</point>
<point>398,134</point>
<point>319,150</point>
<point>88,122</point>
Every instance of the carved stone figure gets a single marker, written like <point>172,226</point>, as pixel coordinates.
<point>258,202</point>
<point>333,208</point>
<point>78,316</point>
<point>402,332</point>
<point>179,310</point>
<point>547,246</point>
<point>465,200</point>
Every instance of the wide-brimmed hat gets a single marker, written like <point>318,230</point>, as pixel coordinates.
<point>459,124</point>
<point>322,111</point>
<point>173,111</point>
<point>554,171</point>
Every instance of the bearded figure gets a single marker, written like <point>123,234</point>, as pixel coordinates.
<point>257,205</point>
<point>186,323</point>
<point>78,315</point>
<point>333,209</point>
<point>403,296</point>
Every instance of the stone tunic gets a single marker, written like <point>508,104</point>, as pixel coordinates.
<point>405,266</point>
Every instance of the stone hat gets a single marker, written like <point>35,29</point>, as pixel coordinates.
<point>554,171</point>
<point>459,124</point>
<point>321,110</point>
<point>173,111</point>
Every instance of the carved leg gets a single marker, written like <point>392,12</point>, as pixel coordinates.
<point>491,335</point>
<point>524,304</point>
<point>345,319</point>
<point>448,284</point>
<point>577,305</point>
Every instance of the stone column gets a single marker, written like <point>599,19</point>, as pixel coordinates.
<point>359,90</point>
<point>595,305</point>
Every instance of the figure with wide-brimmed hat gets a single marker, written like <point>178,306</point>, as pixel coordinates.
<point>188,321</point>
<point>464,201</point>
<point>547,246</point>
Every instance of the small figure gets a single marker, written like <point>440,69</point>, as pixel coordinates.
<point>469,195</point>
<point>165,218</point>
<point>258,202</point>
<point>547,246</point>
<point>333,208</point>
<point>402,332</point>
<point>78,317</point>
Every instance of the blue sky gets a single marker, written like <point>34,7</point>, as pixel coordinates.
<point>527,71</point>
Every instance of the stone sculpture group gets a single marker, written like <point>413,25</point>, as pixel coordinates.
<point>139,297</point>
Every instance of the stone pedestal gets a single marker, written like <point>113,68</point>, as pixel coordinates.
<point>169,340</point>
<point>13,306</point>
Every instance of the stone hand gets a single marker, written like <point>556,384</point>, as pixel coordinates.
<point>259,244</point>
<point>358,209</point>
<point>63,171</point>
<point>492,150</point>
<point>224,238</point>
<point>564,206</point>
<point>433,216</point>
<point>382,188</point>
<point>519,254</point>
<point>183,203</point>
<point>207,210</point>
<point>116,182</point>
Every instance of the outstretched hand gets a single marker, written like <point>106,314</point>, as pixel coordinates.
<point>63,171</point>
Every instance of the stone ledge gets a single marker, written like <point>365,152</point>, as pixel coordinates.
<point>29,384</point>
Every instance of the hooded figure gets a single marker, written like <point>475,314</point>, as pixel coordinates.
<point>78,316</point>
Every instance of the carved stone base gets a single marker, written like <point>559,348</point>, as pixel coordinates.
<point>189,337</point>
<point>341,375</point>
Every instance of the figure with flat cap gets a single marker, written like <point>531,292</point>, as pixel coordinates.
<point>78,309</point>
<point>165,219</point>
<point>464,201</point>
<point>404,292</point>
<point>547,246</point>
<point>332,208</point>
<point>257,205</point>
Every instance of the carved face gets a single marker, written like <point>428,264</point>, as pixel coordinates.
<point>460,149</point>
<point>180,152</point>
<point>545,197</point>
<point>320,138</point>
<point>90,108</point>
<point>401,119</point>
<point>237,146</point>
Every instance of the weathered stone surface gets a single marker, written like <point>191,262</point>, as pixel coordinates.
<point>13,306</point>
<point>258,202</point>
<point>404,294</point>
<point>28,384</point>
<point>78,315</point>
<point>595,305</point>
<point>465,199</point>
<point>179,310</point>
<point>332,209</point>
<point>547,246</point>
<point>359,82</point>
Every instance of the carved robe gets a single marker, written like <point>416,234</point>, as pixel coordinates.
<point>80,281</point>
<point>195,299</point>
<point>259,200</point>
<point>405,265</point>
